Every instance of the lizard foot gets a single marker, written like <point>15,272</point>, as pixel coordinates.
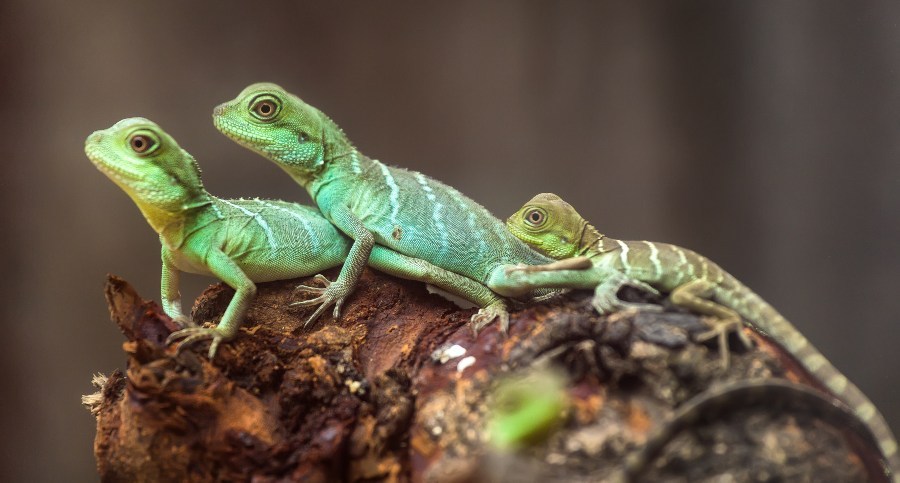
<point>487,315</point>
<point>331,294</point>
<point>719,329</point>
<point>196,334</point>
<point>606,299</point>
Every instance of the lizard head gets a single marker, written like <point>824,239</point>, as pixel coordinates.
<point>549,225</point>
<point>281,127</point>
<point>148,165</point>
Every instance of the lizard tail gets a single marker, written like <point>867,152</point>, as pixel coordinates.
<point>773,394</point>
<point>765,319</point>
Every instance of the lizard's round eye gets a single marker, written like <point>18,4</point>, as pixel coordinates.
<point>534,217</point>
<point>303,137</point>
<point>141,143</point>
<point>265,107</point>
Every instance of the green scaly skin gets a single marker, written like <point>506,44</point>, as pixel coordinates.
<point>241,242</point>
<point>376,204</point>
<point>553,227</point>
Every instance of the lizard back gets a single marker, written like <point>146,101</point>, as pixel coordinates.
<point>422,217</point>
<point>270,239</point>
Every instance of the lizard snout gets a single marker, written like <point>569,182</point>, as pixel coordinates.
<point>94,138</point>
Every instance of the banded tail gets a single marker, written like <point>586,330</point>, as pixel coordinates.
<point>764,318</point>
<point>773,394</point>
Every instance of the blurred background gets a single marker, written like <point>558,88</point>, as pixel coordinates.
<point>765,135</point>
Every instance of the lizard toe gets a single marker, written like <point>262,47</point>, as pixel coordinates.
<point>193,335</point>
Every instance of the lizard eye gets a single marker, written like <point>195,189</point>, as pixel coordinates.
<point>142,143</point>
<point>303,137</point>
<point>535,217</point>
<point>265,107</point>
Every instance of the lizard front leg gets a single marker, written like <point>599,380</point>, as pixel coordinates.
<point>514,280</point>
<point>334,293</point>
<point>229,272</point>
<point>490,305</point>
<point>574,263</point>
<point>170,294</point>
<point>695,295</point>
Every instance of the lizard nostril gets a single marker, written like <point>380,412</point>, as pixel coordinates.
<point>219,110</point>
<point>95,137</point>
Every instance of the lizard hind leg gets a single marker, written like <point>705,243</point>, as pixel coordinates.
<point>606,299</point>
<point>695,296</point>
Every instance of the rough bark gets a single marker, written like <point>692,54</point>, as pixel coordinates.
<point>368,398</point>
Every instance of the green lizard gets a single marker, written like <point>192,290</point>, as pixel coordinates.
<point>239,241</point>
<point>553,227</point>
<point>373,203</point>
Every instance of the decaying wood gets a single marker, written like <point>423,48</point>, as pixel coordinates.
<point>371,398</point>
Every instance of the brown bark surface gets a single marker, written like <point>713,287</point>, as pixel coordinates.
<point>368,398</point>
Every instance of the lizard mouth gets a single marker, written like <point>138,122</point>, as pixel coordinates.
<point>98,155</point>
<point>240,134</point>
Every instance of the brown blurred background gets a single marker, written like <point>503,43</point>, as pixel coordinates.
<point>765,135</point>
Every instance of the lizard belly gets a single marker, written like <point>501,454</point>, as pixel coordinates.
<point>189,264</point>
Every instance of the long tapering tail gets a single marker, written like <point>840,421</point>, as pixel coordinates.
<point>764,318</point>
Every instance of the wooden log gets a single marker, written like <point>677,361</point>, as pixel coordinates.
<point>400,390</point>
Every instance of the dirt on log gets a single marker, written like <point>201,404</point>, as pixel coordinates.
<point>383,395</point>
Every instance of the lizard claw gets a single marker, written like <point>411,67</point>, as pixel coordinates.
<point>196,334</point>
<point>719,329</point>
<point>330,294</point>
<point>487,315</point>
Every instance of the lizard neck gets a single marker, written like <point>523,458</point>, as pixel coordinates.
<point>591,241</point>
<point>169,221</point>
<point>346,166</point>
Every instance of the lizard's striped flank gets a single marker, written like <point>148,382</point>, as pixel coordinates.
<point>313,239</point>
<point>395,190</point>
<point>682,267</point>
<point>623,255</point>
<point>259,220</point>
<point>436,211</point>
<point>654,259</point>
